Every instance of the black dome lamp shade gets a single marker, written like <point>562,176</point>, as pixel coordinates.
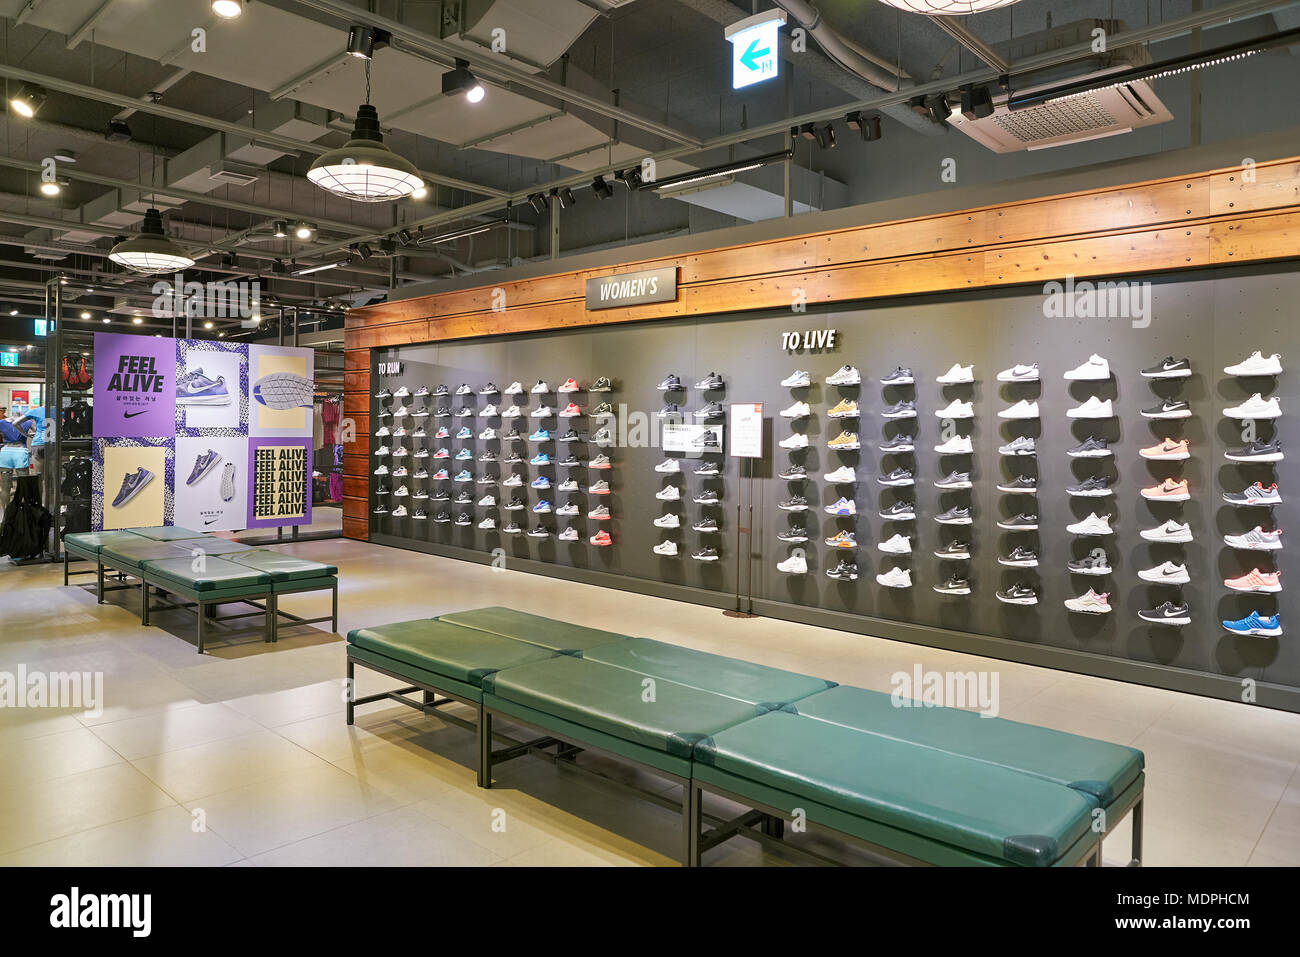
<point>150,251</point>
<point>364,169</point>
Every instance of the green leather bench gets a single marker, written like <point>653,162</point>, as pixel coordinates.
<point>86,546</point>
<point>217,582</point>
<point>167,533</point>
<point>936,789</point>
<point>291,575</point>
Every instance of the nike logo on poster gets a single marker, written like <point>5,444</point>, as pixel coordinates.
<point>132,415</point>
<point>212,521</point>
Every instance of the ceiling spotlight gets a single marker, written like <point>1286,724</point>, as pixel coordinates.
<point>13,312</point>
<point>65,156</point>
<point>601,188</point>
<point>867,126</point>
<point>28,100</point>
<point>227,9</point>
<point>207,324</point>
<point>118,131</point>
<point>280,228</point>
<point>631,177</point>
<point>230,260</point>
<point>564,197</point>
<point>50,189</point>
<point>361,41</point>
<point>106,320</point>
<point>826,136</point>
<point>151,251</point>
<point>136,320</point>
<point>539,202</point>
<point>85,315</point>
<point>937,107</point>
<point>404,236</point>
<point>363,250</point>
<point>460,80</point>
<point>364,169</point>
<point>304,230</point>
<point>808,131</point>
<point>420,193</point>
<point>976,102</point>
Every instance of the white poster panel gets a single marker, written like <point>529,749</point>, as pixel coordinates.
<point>212,483</point>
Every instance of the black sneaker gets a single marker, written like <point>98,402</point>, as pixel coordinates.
<point>464,519</point>
<point>601,437</point>
<point>898,477</point>
<point>670,384</point>
<point>383,394</point>
<point>1094,487</point>
<point>794,533</point>
<point>383,490</point>
<point>442,517</point>
<point>899,512</point>
<point>1019,523</point>
<point>1018,594</point>
<point>1089,448</point>
<point>442,412</point>
<point>517,504</point>
<point>711,411</point>
<point>795,503</point>
<point>705,555</point>
<point>569,436</point>
<point>381,509</point>
<point>1167,613</point>
<point>539,532</point>
<point>710,383</point>
<point>954,480</point>
<point>669,409</point>
<point>954,516</point>
<point>706,525</point>
<point>707,497</point>
<point>844,572</point>
<point>511,528</point>
<point>440,496</point>
<point>511,436</point>
<point>603,409</point>
<point>513,458</point>
<point>953,552</point>
<point>1090,564</point>
<point>793,473</point>
<point>1020,557</point>
<point>900,376</point>
<point>569,462</point>
<point>1020,484</point>
<point>464,498</point>
<point>1170,368</point>
<point>420,514</point>
<point>954,586</point>
<point>706,440</point>
<point>899,443</point>
<point>440,391</point>
<point>1256,452</point>
<point>900,410</point>
<point>708,470</point>
<point>1169,409</point>
<point>602,384</point>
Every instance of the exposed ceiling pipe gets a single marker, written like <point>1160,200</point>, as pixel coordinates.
<point>971,42</point>
<point>839,48</point>
<point>163,86</point>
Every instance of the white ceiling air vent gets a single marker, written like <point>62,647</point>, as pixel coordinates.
<point>1074,119</point>
<point>232,174</point>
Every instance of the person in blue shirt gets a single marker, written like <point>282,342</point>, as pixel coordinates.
<point>13,460</point>
<point>36,430</point>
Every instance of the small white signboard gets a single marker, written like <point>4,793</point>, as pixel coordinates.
<point>747,430</point>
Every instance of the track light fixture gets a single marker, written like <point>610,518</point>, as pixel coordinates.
<point>50,189</point>
<point>404,237</point>
<point>631,177</point>
<point>280,229</point>
<point>935,106</point>
<point>976,102</point>
<point>119,131</point>
<point>151,251</point>
<point>601,188</point>
<point>363,250</point>
<point>564,196</point>
<point>304,230</point>
<point>867,126</point>
<point>461,233</point>
<point>362,40</point>
<point>715,172</point>
<point>539,202</point>
<point>461,80</point>
<point>29,98</point>
<point>230,260</point>
<point>824,135</point>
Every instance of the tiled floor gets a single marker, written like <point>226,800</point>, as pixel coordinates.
<point>242,755</point>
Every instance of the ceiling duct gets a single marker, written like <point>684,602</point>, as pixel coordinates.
<point>1076,119</point>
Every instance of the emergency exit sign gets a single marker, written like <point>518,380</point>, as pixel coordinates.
<point>755,48</point>
<point>9,359</point>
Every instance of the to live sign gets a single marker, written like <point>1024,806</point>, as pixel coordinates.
<point>755,48</point>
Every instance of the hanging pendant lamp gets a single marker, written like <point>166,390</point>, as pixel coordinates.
<point>947,8</point>
<point>364,169</point>
<point>150,251</point>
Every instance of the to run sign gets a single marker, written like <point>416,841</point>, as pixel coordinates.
<point>632,288</point>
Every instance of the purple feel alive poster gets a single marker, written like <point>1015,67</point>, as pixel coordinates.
<point>135,386</point>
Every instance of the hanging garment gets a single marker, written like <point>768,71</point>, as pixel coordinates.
<point>27,523</point>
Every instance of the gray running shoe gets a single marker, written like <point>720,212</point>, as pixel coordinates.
<point>283,390</point>
<point>228,482</point>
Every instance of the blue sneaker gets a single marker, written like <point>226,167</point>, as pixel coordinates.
<point>542,507</point>
<point>464,475</point>
<point>541,482</point>
<point>194,388</point>
<point>464,433</point>
<point>132,482</point>
<point>203,464</point>
<point>1264,626</point>
<point>541,435</point>
<point>464,455</point>
<point>541,458</point>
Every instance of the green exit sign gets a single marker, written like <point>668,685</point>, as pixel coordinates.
<point>8,359</point>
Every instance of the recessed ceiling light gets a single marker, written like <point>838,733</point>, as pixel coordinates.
<point>13,312</point>
<point>137,321</point>
<point>85,315</point>
<point>28,100</point>
<point>50,189</point>
<point>304,230</point>
<point>227,9</point>
<point>208,324</point>
<point>106,320</point>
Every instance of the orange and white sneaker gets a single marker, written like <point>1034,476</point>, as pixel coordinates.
<point>1255,580</point>
<point>601,538</point>
<point>1168,450</point>
<point>570,385</point>
<point>1168,491</point>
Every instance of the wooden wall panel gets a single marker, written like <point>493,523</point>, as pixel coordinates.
<point>1255,238</point>
<point>1261,187</point>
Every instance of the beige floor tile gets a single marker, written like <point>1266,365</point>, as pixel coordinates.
<point>294,704</point>
<point>54,756</point>
<point>188,774</point>
<point>18,724</point>
<point>1250,773</point>
<point>397,838</point>
<point>162,838</point>
<point>173,729</point>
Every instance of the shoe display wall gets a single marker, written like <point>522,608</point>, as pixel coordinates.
<point>898,441</point>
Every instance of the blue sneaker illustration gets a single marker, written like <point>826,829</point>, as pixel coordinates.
<point>203,464</point>
<point>541,458</point>
<point>541,435</point>
<point>464,475</point>
<point>283,390</point>
<point>542,507</point>
<point>195,388</point>
<point>541,482</point>
<point>132,482</point>
<point>465,433</point>
<point>1262,626</point>
<point>464,454</point>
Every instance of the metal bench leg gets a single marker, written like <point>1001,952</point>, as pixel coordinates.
<point>692,820</point>
<point>273,616</point>
<point>773,826</point>
<point>1137,833</point>
<point>351,690</point>
<point>268,623</point>
<point>334,611</point>
<point>99,583</point>
<point>203,621</point>
<point>65,567</point>
<point>484,747</point>
<point>144,602</point>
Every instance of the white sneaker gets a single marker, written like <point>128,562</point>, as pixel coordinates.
<point>515,480</point>
<point>956,409</point>
<point>898,545</point>
<point>1089,603</point>
<point>488,411</point>
<point>957,374</point>
<point>1094,408</point>
<point>1256,407</point>
<point>514,388</point>
<point>799,379</point>
<point>666,548</point>
<point>512,413</point>
<point>796,441</point>
<point>1255,540</point>
<point>1170,531</point>
<point>895,578</point>
<point>794,565</point>
<point>797,411</point>
<point>1094,524</point>
<point>1091,371</point>
<point>401,492</point>
<point>540,389</point>
<point>1166,574</point>
<point>399,512</point>
<point>669,493</point>
<point>487,501</point>
<point>488,523</point>
<point>845,375</point>
<point>668,521</point>
<point>382,470</point>
<point>542,412</point>
<point>1256,364</point>
<point>957,445</point>
<point>842,475</point>
<point>1020,373</point>
<point>669,465</point>
<point>1021,410</point>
